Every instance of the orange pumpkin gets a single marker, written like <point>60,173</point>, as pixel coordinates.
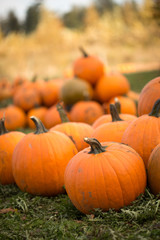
<point>38,112</point>
<point>14,117</point>
<point>111,85</point>
<point>51,117</point>
<point>8,141</point>
<point>149,94</point>
<point>86,111</point>
<point>111,131</point>
<point>153,170</point>
<point>75,130</point>
<point>127,105</point>
<point>143,133</point>
<point>105,175</point>
<point>89,68</point>
<point>39,161</point>
<point>5,89</point>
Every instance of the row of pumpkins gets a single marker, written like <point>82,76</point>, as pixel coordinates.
<point>86,94</point>
<point>123,155</point>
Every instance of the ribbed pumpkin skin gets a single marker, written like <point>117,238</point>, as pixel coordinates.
<point>110,179</point>
<point>8,142</point>
<point>39,162</point>
<point>88,68</point>
<point>86,111</point>
<point>111,85</point>
<point>76,131</point>
<point>107,118</point>
<point>112,131</point>
<point>153,171</point>
<point>149,94</point>
<point>143,134</point>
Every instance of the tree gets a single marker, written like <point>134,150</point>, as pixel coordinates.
<point>156,11</point>
<point>10,24</point>
<point>104,5</point>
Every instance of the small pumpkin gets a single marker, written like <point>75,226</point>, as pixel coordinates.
<point>111,85</point>
<point>111,131</point>
<point>149,94</point>
<point>105,175</point>
<point>86,111</point>
<point>39,161</point>
<point>75,130</point>
<point>8,142</point>
<point>89,68</point>
<point>38,112</point>
<point>143,133</point>
<point>153,171</point>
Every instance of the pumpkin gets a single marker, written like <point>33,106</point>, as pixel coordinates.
<point>133,95</point>
<point>89,68</point>
<point>38,112</point>
<point>27,97</point>
<point>105,175</point>
<point>111,85</point>
<point>39,161</point>
<point>75,130</point>
<point>8,141</point>
<point>86,111</point>
<point>149,94</point>
<point>127,105</point>
<point>15,117</point>
<point>143,133</point>
<point>50,93</point>
<point>51,117</point>
<point>153,171</point>
<point>111,131</point>
<point>5,89</point>
<point>74,90</point>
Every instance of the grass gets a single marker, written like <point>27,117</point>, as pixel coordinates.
<point>23,216</point>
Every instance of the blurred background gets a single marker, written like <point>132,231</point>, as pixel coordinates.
<point>42,38</point>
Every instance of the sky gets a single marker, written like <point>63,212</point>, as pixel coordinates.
<point>59,6</point>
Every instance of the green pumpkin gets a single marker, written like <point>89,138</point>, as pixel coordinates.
<point>75,90</point>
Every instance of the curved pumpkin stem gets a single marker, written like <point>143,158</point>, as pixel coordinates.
<point>155,109</point>
<point>118,105</point>
<point>83,52</point>
<point>3,129</point>
<point>114,113</point>
<point>95,145</point>
<point>40,128</point>
<point>62,113</point>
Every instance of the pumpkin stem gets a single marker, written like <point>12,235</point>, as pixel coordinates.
<point>95,145</point>
<point>114,113</point>
<point>62,113</point>
<point>83,52</point>
<point>155,109</point>
<point>40,128</point>
<point>118,105</point>
<point>3,129</point>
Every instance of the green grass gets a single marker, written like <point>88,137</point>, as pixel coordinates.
<point>36,217</point>
<point>139,79</point>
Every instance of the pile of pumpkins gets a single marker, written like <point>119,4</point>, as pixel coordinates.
<point>106,163</point>
<point>86,95</point>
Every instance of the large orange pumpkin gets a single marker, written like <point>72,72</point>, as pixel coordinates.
<point>105,175</point>
<point>143,133</point>
<point>39,161</point>
<point>15,117</point>
<point>149,94</point>
<point>8,142</point>
<point>75,130</point>
<point>89,68</point>
<point>111,85</point>
<point>86,111</point>
<point>153,171</point>
<point>111,131</point>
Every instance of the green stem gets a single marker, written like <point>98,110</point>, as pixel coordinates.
<point>155,109</point>
<point>62,113</point>
<point>40,128</point>
<point>83,52</point>
<point>95,145</point>
<point>3,129</point>
<point>114,113</point>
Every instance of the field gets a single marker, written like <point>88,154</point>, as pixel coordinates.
<point>23,216</point>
